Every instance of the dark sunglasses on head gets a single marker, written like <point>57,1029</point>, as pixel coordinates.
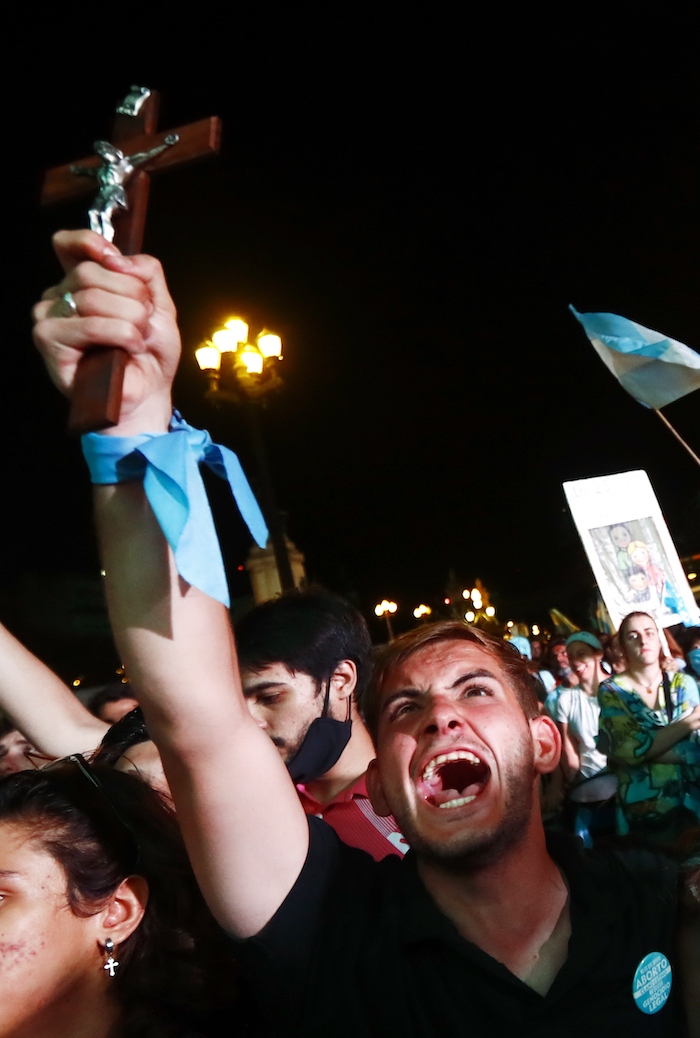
<point>94,799</point>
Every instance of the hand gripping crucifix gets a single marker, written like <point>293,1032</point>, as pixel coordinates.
<point>121,169</point>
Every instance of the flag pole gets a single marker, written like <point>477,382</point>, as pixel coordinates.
<point>666,422</point>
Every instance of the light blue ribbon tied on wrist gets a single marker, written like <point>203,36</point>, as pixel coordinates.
<point>168,464</point>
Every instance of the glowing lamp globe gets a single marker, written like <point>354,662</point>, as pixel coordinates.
<point>269,344</point>
<point>252,360</point>
<point>225,341</point>
<point>238,328</point>
<point>208,358</point>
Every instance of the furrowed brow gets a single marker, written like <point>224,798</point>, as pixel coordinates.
<point>470,675</point>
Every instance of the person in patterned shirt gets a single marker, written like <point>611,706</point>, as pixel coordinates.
<point>648,730</point>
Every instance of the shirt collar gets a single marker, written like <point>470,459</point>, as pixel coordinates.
<point>419,918</point>
<point>359,789</point>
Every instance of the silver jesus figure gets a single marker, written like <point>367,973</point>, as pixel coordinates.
<point>111,175</point>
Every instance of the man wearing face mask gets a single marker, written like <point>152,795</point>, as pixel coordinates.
<point>304,658</point>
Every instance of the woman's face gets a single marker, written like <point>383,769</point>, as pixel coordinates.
<point>583,660</point>
<point>14,750</point>
<point>49,958</point>
<point>641,643</point>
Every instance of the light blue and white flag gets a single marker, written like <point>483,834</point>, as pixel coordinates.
<point>654,369</point>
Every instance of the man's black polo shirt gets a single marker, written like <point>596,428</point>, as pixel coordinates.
<point>359,948</point>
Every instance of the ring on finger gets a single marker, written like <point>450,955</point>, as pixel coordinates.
<point>65,306</point>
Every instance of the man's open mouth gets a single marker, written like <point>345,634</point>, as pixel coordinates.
<point>453,779</point>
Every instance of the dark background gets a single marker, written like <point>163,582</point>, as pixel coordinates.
<point>411,198</point>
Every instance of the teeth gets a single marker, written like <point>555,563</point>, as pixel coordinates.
<point>459,801</point>
<point>442,758</point>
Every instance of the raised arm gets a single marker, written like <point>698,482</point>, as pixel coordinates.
<point>245,828</point>
<point>44,709</point>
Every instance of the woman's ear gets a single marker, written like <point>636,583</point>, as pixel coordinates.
<point>375,789</point>
<point>546,740</point>
<point>124,910</point>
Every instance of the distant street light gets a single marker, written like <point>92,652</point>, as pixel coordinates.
<point>385,609</point>
<point>243,373</point>
<point>422,610</point>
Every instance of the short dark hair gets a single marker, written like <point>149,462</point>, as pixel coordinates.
<point>111,693</point>
<point>402,648</point>
<point>310,631</point>
<point>633,571</point>
<point>160,964</point>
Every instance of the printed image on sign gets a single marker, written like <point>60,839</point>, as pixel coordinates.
<point>652,983</point>
<point>629,547</point>
<point>636,565</point>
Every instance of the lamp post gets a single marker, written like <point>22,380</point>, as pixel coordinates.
<point>243,373</point>
<point>385,609</point>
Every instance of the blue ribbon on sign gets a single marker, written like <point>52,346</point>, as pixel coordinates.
<point>168,463</point>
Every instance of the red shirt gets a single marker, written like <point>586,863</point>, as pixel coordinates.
<point>352,816</point>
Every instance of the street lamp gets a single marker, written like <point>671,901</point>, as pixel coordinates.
<point>239,369</point>
<point>422,610</point>
<point>243,373</point>
<point>385,609</point>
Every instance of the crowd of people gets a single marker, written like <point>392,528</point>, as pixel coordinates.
<point>293,834</point>
<point>628,724</point>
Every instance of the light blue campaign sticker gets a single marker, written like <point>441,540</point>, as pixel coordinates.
<point>652,982</point>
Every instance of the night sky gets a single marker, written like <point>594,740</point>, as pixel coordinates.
<point>412,202</point>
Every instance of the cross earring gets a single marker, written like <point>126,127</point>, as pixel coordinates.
<point>111,963</point>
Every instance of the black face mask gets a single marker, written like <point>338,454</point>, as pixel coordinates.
<point>322,745</point>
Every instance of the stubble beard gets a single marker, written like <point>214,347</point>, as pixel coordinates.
<point>289,749</point>
<point>473,849</point>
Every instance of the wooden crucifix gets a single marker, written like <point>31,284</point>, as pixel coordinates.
<point>121,169</point>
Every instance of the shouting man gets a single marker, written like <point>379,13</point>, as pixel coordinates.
<point>485,928</point>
